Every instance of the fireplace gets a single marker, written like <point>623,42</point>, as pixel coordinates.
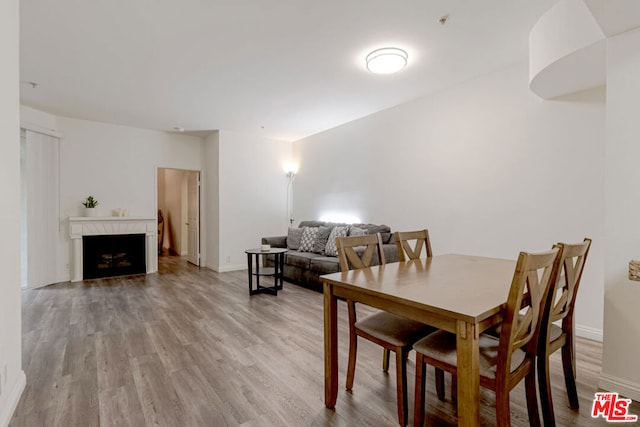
<point>112,246</point>
<point>109,256</point>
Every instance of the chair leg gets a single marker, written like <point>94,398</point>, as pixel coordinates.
<point>418,407</point>
<point>532,397</point>
<point>351,366</point>
<point>401,385</point>
<point>503,415</point>
<point>454,392</point>
<point>570,374</point>
<point>544,385</point>
<point>440,383</point>
<point>385,359</point>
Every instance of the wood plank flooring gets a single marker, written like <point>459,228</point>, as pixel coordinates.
<point>189,347</point>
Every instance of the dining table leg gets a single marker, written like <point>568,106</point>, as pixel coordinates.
<point>330,347</point>
<point>467,341</point>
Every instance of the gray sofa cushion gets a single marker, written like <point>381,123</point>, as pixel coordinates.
<point>299,259</point>
<point>331,248</point>
<point>356,231</point>
<point>308,239</point>
<point>384,230</point>
<point>325,265</point>
<point>275,241</point>
<point>311,224</point>
<point>293,238</point>
<point>321,239</point>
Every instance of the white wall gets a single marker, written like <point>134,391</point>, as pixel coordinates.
<point>116,164</point>
<point>12,379</point>
<point>243,181</point>
<point>621,370</point>
<point>251,194</point>
<point>488,167</point>
<point>210,219</point>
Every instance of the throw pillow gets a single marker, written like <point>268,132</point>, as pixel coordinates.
<point>356,231</point>
<point>331,249</point>
<point>293,238</point>
<point>308,239</point>
<point>321,239</point>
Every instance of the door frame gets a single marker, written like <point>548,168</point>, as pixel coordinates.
<point>199,206</point>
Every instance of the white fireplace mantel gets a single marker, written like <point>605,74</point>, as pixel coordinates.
<point>98,226</point>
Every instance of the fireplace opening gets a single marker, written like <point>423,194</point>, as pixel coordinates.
<point>113,255</point>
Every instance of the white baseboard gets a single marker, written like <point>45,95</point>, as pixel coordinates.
<point>226,268</point>
<point>589,333</point>
<point>13,399</point>
<point>625,388</point>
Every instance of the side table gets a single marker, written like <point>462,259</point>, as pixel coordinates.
<point>275,271</point>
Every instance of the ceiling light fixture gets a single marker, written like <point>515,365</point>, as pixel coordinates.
<point>387,60</point>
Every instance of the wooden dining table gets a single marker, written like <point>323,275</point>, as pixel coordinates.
<point>461,294</point>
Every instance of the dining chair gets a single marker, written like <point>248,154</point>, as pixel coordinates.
<point>506,360</point>
<point>410,245</point>
<point>392,332</point>
<point>406,250</point>
<point>559,308</point>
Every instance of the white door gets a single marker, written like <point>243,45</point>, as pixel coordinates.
<point>193,218</point>
<point>40,207</point>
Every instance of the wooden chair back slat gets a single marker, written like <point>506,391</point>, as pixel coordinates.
<point>406,250</point>
<point>532,280</point>
<point>350,259</point>
<point>573,261</point>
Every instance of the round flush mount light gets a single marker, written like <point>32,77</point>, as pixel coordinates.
<point>387,60</point>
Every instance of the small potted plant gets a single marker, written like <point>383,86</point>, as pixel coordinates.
<point>89,206</point>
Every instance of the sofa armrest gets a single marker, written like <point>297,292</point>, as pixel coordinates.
<point>275,241</point>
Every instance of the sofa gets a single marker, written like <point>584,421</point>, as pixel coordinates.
<point>303,265</point>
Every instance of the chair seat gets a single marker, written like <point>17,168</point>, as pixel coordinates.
<point>555,333</point>
<point>441,346</point>
<point>396,330</point>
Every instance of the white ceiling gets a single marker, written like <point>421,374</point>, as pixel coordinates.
<point>284,69</point>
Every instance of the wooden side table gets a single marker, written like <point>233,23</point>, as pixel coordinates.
<point>275,271</point>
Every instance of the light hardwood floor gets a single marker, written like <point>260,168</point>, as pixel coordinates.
<point>189,347</point>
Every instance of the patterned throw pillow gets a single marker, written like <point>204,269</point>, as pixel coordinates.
<point>321,239</point>
<point>331,249</point>
<point>293,238</point>
<point>308,239</point>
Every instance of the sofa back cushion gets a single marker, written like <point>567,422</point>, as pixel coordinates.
<point>304,224</point>
<point>332,249</point>
<point>321,239</point>
<point>357,231</point>
<point>308,240</point>
<point>293,238</point>
<point>384,230</point>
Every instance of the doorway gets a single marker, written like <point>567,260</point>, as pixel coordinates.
<point>179,213</point>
